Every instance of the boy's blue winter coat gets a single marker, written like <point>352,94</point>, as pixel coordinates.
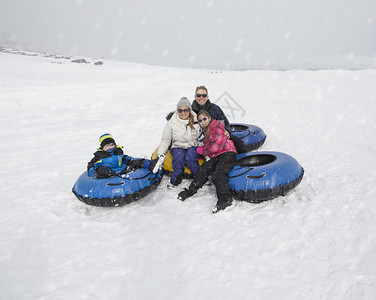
<point>116,160</point>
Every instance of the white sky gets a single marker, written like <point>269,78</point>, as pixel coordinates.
<point>218,33</point>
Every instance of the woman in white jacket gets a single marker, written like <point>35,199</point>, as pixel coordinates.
<point>181,132</point>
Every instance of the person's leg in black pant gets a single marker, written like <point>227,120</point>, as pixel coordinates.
<point>239,144</point>
<point>205,170</point>
<point>225,163</point>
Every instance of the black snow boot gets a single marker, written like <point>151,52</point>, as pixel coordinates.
<point>186,193</point>
<point>178,179</point>
<point>223,204</point>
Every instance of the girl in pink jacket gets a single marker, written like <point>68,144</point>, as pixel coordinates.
<point>222,153</point>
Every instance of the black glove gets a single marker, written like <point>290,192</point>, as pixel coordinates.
<point>125,158</point>
<point>104,172</point>
<point>157,163</point>
<point>184,194</point>
<point>136,163</point>
<point>152,164</point>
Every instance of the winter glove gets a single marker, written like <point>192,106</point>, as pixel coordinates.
<point>136,163</point>
<point>152,164</point>
<point>156,163</point>
<point>200,150</point>
<point>104,172</point>
<point>125,159</point>
<point>91,172</point>
<point>184,194</point>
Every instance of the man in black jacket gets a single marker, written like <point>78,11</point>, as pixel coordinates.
<point>202,102</point>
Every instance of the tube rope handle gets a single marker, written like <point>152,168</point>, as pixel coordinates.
<point>248,133</point>
<point>256,177</point>
<point>248,176</point>
<point>241,173</point>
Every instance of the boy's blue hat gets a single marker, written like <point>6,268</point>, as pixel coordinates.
<point>105,139</point>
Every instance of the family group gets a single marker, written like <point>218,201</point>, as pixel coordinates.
<point>195,130</point>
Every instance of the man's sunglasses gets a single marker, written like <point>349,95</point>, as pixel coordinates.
<point>201,95</point>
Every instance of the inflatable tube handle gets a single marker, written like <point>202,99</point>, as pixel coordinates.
<point>128,178</point>
<point>112,184</point>
<point>154,177</point>
<point>248,176</point>
<point>241,173</point>
<point>248,133</point>
<point>255,177</point>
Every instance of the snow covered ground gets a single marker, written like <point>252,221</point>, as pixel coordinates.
<point>318,242</point>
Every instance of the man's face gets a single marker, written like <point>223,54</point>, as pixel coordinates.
<point>199,97</point>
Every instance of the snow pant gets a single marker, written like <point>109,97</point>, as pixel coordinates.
<point>180,158</point>
<point>218,167</point>
<point>239,144</point>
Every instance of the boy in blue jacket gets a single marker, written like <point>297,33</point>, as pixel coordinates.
<point>110,160</point>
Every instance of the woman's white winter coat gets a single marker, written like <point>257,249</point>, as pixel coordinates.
<point>179,134</point>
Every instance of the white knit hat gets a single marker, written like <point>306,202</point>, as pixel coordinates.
<point>183,101</point>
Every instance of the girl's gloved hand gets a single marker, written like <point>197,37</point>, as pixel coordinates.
<point>200,150</point>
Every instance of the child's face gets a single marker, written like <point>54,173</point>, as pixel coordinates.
<point>108,147</point>
<point>203,120</point>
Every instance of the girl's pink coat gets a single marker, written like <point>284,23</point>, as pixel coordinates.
<point>218,143</point>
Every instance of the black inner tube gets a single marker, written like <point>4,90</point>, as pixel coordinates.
<point>256,160</point>
<point>238,127</point>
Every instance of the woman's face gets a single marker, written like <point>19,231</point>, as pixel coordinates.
<point>183,112</point>
<point>199,97</point>
<point>203,120</point>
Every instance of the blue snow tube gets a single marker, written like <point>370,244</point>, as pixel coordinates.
<point>253,136</point>
<point>118,190</point>
<point>264,175</point>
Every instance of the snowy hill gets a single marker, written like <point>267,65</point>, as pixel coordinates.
<point>318,242</point>
<point>16,44</point>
